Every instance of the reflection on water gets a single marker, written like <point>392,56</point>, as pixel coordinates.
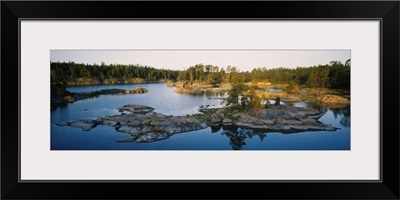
<point>343,114</point>
<point>274,90</point>
<point>340,111</point>
<point>237,136</point>
<point>166,101</point>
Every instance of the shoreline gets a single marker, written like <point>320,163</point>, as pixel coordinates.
<point>323,95</point>
<point>144,125</point>
<point>61,96</point>
<point>99,84</point>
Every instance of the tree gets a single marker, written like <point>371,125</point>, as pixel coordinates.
<point>348,63</point>
<point>292,87</point>
<point>235,93</point>
<point>253,99</point>
<point>278,101</point>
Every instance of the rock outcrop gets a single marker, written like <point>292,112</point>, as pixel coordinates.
<point>145,125</point>
<point>329,98</point>
<point>85,125</point>
<point>142,124</point>
<point>283,118</point>
<point>69,97</point>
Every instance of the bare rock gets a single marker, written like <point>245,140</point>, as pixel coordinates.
<point>136,109</point>
<point>61,123</point>
<point>227,122</point>
<point>151,137</point>
<point>85,124</point>
<point>215,120</point>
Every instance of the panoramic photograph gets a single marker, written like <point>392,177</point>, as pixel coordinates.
<point>200,99</point>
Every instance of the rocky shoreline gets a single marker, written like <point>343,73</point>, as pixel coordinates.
<point>142,123</point>
<point>189,87</point>
<point>69,97</point>
<point>145,125</point>
<point>318,95</point>
<point>275,118</point>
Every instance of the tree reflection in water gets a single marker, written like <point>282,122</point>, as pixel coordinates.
<point>345,115</point>
<point>342,110</point>
<point>237,136</point>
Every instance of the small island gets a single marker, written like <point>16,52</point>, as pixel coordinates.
<point>145,125</point>
<point>60,95</point>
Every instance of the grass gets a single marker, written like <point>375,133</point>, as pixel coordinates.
<point>206,117</point>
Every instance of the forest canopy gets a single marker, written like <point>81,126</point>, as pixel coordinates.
<point>334,75</point>
<point>70,71</point>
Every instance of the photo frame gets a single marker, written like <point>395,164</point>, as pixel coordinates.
<point>386,12</point>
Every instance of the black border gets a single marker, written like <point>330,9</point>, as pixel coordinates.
<point>387,11</point>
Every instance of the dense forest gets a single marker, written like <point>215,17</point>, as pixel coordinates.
<point>69,72</point>
<point>334,75</point>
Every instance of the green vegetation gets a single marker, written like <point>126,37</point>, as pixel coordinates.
<point>244,96</point>
<point>334,75</point>
<point>236,95</point>
<point>277,101</point>
<point>212,74</point>
<point>293,87</point>
<point>70,72</point>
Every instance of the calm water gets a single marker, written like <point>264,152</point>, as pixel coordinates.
<point>165,101</point>
<point>274,90</point>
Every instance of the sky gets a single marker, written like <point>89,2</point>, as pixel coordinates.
<point>244,60</point>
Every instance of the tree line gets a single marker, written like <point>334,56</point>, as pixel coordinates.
<point>335,75</point>
<point>70,71</point>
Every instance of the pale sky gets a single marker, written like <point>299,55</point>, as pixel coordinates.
<point>245,60</point>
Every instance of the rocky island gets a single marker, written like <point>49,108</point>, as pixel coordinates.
<point>145,125</point>
<point>59,95</point>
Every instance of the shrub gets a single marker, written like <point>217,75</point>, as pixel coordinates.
<point>278,101</point>
<point>267,104</point>
<point>292,87</point>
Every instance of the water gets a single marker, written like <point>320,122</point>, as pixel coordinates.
<point>165,101</point>
<point>274,90</point>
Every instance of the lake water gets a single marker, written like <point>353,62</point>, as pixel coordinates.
<point>274,90</point>
<point>166,101</point>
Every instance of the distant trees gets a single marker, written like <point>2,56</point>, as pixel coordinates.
<point>212,74</point>
<point>292,87</point>
<point>71,71</point>
<point>334,75</point>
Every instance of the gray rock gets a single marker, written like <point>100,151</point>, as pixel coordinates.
<point>144,125</point>
<point>151,137</point>
<point>145,129</point>
<point>221,115</point>
<point>220,111</point>
<point>283,118</point>
<point>109,123</point>
<point>134,123</point>
<point>161,123</point>
<point>134,131</point>
<point>133,108</point>
<point>172,129</point>
<point>61,123</point>
<point>215,120</point>
<point>85,124</point>
<point>227,122</point>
